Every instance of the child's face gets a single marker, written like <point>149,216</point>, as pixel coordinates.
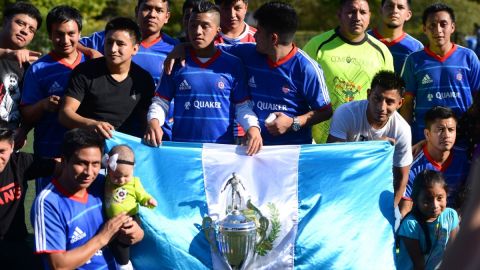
<point>432,201</point>
<point>122,175</point>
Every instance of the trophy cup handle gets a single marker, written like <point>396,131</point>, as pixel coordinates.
<point>208,230</point>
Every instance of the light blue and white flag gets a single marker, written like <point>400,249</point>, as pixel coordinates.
<point>330,206</point>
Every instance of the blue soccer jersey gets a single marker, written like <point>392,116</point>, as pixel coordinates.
<point>205,95</point>
<point>449,81</point>
<point>455,170</point>
<point>150,56</point>
<point>400,48</point>
<point>294,86</point>
<point>47,76</point>
<point>63,222</point>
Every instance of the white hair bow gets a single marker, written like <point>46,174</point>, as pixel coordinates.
<point>110,161</point>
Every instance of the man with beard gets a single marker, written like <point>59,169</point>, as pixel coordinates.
<point>394,15</point>
<point>349,57</point>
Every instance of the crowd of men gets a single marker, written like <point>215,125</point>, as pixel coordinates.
<point>237,85</point>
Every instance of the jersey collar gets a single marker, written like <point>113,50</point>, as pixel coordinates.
<point>385,41</point>
<point>284,59</point>
<point>63,62</point>
<point>440,167</point>
<point>445,57</point>
<point>62,190</point>
<point>147,45</point>
<point>206,64</point>
<point>365,38</point>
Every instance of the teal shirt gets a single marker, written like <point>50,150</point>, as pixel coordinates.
<point>439,232</point>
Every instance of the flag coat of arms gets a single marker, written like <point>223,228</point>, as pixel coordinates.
<point>329,206</point>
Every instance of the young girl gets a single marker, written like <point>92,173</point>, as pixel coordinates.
<point>123,193</point>
<point>426,230</point>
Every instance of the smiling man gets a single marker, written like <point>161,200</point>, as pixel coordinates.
<point>443,74</point>
<point>104,92</point>
<point>377,119</point>
<point>234,29</point>
<point>349,57</point>
<point>46,80</point>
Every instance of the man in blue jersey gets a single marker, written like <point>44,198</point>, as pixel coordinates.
<point>71,231</point>
<point>394,15</point>
<point>208,92</point>
<point>46,80</point>
<point>151,16</point>
<point>440,154</point>
<point>443,74</point>
<point>105,92</point>
<point>284,82</point>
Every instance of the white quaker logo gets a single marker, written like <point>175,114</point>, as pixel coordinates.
<point>251,82</point>
<point>78,234</point>
<point>426,79</point>
<point>187,105</point>
<point>430,97</point>
<point>184,86</point>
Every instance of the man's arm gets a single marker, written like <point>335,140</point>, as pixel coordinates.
<point>407,108</point>
<point>91,53</point>
<point>283,123</point>
<point>333,139</point>
<point>156,115</point>
<point>77,257</point>
<point>400,180</point>
<point>68,116</point>
<point>22,55</point>
<point>247,118</point>
<point>32,113</point>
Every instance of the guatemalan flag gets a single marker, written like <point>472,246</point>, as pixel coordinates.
<point>330,206</point>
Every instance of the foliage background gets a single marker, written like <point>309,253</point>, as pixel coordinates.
<point>316,16</point>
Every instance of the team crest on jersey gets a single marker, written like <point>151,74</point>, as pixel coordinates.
<point>187,105</point>
<point>285,89</point>
<point>459,76</point>
<point>221,85</point>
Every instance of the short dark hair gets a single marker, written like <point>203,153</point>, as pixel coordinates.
<point>125,24</point>
<point>388,80</point>
<point>206,7</point>
<point>278,17</point>
<point>6,133</point>
<point>409,2</point>
<point>343,2</point>
<point>437,7</point>
<point>189,4</point>
<point>139,2</point>
<point>438,112</point>
<point>22,8</point>
<point>61,14</point>
<point>79,138</point>
<point>228,2</point>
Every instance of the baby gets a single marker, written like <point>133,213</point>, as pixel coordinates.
<point>123,193</point>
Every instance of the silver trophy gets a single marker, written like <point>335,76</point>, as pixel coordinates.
<point>238,234</point>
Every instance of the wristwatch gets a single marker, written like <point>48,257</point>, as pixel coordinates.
<point>296,124</point>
